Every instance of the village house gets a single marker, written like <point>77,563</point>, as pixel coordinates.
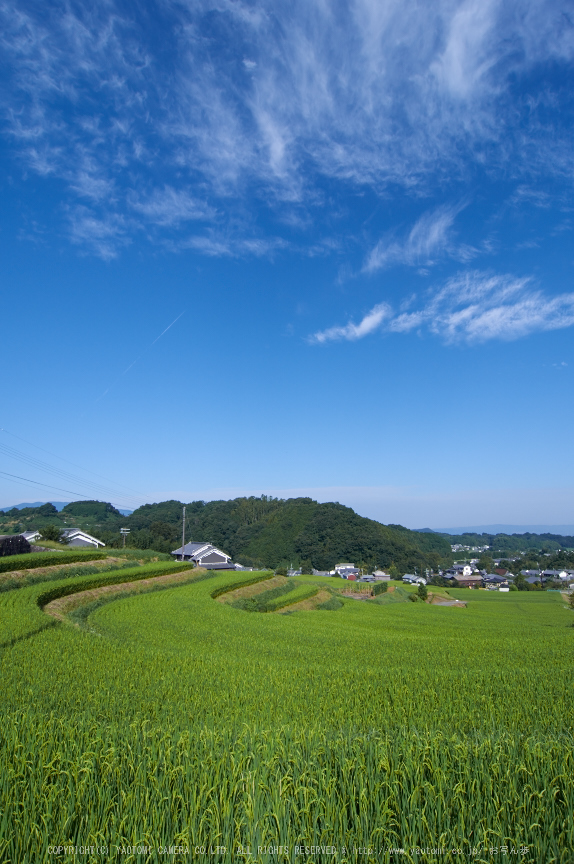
<point>76,537</point>
<point>204,555</point>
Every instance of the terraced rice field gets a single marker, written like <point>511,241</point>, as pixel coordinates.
<point>171,727</point>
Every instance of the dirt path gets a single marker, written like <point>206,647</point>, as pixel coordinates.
<point>63,605</point>
<point>357,595</point>
<point>442,600</point>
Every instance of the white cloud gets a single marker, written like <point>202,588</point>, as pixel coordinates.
<point>471,307</point>
<point>170,206</point>
<point>351,332</point>
<point>255,107</point>
<point>468,57</point>
<point>429,236</point>
<point>103,235</point>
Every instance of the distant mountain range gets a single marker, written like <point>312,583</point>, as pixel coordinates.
<point>502,529</point>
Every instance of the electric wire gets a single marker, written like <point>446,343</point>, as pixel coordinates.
<point>96,488</point>
<point>117,491</point>
<point>37,483</point>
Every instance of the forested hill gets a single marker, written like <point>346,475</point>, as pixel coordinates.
<point>271,531</point>
<point>254,531</point>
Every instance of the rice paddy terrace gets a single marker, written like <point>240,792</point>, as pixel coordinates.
<point>219,721</point>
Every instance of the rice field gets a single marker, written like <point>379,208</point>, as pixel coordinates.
<point>171,727</point>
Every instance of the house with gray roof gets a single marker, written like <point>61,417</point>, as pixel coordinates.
<point>76,537</point>
<point>494,582</point>
<point>204,555</point>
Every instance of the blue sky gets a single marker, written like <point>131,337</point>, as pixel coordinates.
<point>290,248</point>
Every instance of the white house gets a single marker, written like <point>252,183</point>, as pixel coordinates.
<point>339,567</point>
<point>31,536</point>
<point>76,537</point>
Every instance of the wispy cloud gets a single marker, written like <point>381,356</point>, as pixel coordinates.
<point>430,236</point>
<point>471,307</point>
<point>254,108</point>
<point>169,206</point>
<point>351,332</point>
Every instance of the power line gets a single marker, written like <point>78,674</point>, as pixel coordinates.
<point>74,464</point>
<point>37,483</point>
<point>64,475</point>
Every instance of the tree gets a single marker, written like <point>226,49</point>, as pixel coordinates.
<point>422,591</point>
<point>52,532</point>
<point>281,571</point>
<point>485,562</point>
<point>306,568</point>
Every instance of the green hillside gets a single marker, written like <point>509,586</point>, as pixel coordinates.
<point>269,532</point>
<point>254,531</point>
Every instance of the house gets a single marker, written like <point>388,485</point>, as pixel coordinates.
<point>32,536</point>
<point>555,575</point>
<point>350,573</point>
<point>494,582</point>
<point>204,555</point>
<point>411,579</point>
<point>13,544</point>
<point>458,570</point>
<point>474,581</point>
<point>346,566</point>
<point>76,537</point>
<point>380,575</point>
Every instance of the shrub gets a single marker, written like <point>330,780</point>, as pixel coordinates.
<point>380,588</point>
<point>52,532</point>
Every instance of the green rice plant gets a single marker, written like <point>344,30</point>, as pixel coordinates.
<point>32,577</point>
<point>263,601</point>
<point>172,719</point>
<point>21,614</point>
<point>302,592</point>
<point>31,560</point>
<point>242,583</point>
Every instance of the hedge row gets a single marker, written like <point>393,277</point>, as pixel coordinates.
<point>31,560</point>
<point>380,588</point>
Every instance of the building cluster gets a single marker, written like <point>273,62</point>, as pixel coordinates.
<point>458,547</point>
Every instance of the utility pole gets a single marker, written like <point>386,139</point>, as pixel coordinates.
<point>183,536</point>
<point>124,532</point>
